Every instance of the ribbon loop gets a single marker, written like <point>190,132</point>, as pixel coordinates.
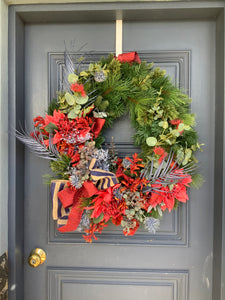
<point>101,178</point>
<point>129,57</point>
<point>59,212</point>
<point>74,198</point>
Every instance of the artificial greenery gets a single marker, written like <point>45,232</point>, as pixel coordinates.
<point>100,186</point>
<point>153,102</point>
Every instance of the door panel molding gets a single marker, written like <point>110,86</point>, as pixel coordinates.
<point>173,61</point>
<point>153,281</point>
<point>175,231</point>
<point>176,235</point>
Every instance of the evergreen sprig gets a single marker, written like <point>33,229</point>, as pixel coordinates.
<point>154,104</point>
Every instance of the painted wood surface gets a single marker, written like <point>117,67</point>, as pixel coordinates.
<point>17,2</point>
<point>113,265</point>
<point>59,273</point>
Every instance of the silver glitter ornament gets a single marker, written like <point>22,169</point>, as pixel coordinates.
<point>152,224</point>
<point>99,76</point>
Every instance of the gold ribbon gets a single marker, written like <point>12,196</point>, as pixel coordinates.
<point>101,178</point>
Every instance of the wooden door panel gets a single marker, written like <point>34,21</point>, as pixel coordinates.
<point>176,263</point>
<point>118,284</point>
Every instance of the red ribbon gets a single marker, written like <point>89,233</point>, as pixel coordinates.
<point>97,126</point>
<point>70,197</point>
<point>129,57</point>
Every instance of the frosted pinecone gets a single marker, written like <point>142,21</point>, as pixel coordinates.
<point>102,157</point>
<point>126,163</point>
<point>152,224</point>
<point>117,194</point>
<point>75,180</point>
<point>84,222</point>
<point>83,139</point>
<point>99,76</point>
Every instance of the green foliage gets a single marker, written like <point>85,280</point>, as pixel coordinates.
<point>60,166</point>
<point>99,141</point>
<point>188,138</point>
<point>53,106</point>
<point>159,111</point>
<point>197,181</point>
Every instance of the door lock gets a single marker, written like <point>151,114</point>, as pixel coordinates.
<point>37,257</point>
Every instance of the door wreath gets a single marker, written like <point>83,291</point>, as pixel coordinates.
<point>91,185</point>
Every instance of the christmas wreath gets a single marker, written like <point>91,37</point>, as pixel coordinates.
<point>91,185</point>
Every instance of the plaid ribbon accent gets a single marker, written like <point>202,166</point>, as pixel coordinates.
<point>59,213</point>
<point>101,178</point>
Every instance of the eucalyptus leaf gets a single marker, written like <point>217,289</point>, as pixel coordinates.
<point>151,141</point>
<point>175,132</point>
<point>99,114</point>
<point>72,114</point>
<point>77,109</point>
<point>91,67</point>
<point>181,126</point>
<point>163,124</point>
<point>168,141</point>
<point>83,74</point>
<point>188,153</point>
<point>72,78</point>
<point>81,100</point>
<point>70,99</point>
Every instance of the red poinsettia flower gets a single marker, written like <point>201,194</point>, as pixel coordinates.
<point>117,221</point>
<point>106,204</point>
<point>55,119</point>
<point>78,88</point>
<point>70,134</point>
<point>166,196</point>
<point>75,158</point>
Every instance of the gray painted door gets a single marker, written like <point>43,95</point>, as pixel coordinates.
<point>176,263</point>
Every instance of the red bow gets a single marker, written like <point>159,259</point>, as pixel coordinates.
<point>97,126</point>
<point>129,57</point>
<point>70,197</point>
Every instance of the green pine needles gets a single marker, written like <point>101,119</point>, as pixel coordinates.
<point>158,110</point>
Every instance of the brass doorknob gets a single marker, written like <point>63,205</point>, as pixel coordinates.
<point>37,257</point>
